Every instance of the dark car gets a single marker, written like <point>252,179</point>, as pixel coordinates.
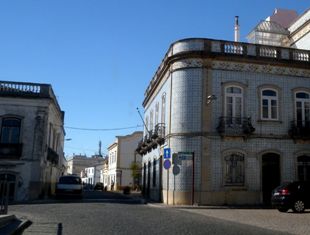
<point>69,186</point>
<point>294,195</point>
<point>98,186</point>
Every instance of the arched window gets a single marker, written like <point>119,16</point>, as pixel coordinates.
<point>234,169</point>
<point>10,130</point>
<point>302,109</point>
<point>269,104</point>
<point>233,104</point>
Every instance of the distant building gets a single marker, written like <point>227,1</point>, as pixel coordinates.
<point>121,155</point>
<point>92,175</point>
<point>283,28</point>
<point>235,117</point>
<point>77,163</point>
<point>32,139</point>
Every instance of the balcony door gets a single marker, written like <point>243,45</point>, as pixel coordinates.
<point>233,105</point>
<point>302,114</point>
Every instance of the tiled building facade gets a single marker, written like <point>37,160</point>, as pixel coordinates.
<point>241,109</point>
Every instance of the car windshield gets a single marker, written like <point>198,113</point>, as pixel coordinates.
<point>70,180</point>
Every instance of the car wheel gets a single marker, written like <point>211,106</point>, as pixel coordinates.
<point>299,206</point>
<point>283,209</point>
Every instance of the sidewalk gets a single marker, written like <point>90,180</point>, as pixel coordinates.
<point>293,223</point>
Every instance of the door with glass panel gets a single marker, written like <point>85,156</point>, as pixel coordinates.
<point>233,105</point>
<point>302,114</point>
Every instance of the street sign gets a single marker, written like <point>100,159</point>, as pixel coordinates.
<point>185,155</point>
<point>167,153</point>
<point>167,164</point>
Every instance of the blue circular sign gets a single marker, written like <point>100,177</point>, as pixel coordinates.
<point>167,164</point>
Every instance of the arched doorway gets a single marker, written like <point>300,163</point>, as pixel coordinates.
<point>270,175</point>
<point>8,181</point>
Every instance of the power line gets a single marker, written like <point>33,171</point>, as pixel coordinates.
<point>101,129</point>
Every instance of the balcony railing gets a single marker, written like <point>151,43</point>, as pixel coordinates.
<point>300,129</point>
<point>10,151</point>
<point>235,126</point>
<point>52,156</point>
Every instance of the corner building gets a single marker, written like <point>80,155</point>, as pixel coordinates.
<point>241,109</point>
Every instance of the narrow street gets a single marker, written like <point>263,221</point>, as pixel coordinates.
<point>112,213</point>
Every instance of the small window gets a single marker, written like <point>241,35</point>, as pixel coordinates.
<point>10,130</point>
<point>234,169</point>
<point>269,104</point>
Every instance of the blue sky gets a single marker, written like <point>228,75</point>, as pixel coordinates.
<point>100,55</point>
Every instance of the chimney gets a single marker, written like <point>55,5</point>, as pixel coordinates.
<point>237,29</point>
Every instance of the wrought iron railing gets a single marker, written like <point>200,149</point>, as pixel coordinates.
<point>300,129</point>
<point>10,151</point>
<point>52,156</point>
<point>235,126</point>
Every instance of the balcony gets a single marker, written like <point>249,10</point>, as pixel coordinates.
<point>159,134</point>
<point>152,139</point>
<point>300,130</point>
<point>235,126</point>
<point>52,156</point>
<point>11,151</point>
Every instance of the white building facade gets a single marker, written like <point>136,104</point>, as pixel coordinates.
<point>121,155</point>
<point>32,139</point>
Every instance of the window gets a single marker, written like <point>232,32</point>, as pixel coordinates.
<point>163,108</point>
<point>156,113</point>
<point>234,169</point>
<point>233,105</point>
<point>151,120</point>
<point>303,163</point>
<point>10,130</point>
<point>302,109</point>
<point>269,104</point>
<point>146,124</point>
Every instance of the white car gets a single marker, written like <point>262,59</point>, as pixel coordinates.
<point>69,185</point>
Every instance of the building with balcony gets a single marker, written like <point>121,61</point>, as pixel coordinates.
<point>121,155</point>
<point>31,139</point>
<point>234,116</point>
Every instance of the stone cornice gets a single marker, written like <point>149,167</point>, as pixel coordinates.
<point>189,53</point>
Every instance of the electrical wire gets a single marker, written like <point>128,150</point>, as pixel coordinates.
<point>102,129</point>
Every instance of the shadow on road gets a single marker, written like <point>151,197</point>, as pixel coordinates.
<point>92,197</point>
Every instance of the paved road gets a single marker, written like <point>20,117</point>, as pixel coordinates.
<point>113,218</point>
<point>111,213</point>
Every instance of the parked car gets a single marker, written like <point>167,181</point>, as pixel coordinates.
<point>69,185</point>
<point>98,186</point>
<point>294,195</point>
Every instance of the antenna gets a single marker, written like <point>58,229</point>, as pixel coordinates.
<point>237,29</point>
<point>100,148</point>
<point>142,120</point>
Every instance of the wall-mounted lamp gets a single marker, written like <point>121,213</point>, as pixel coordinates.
<point>210,98</point>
